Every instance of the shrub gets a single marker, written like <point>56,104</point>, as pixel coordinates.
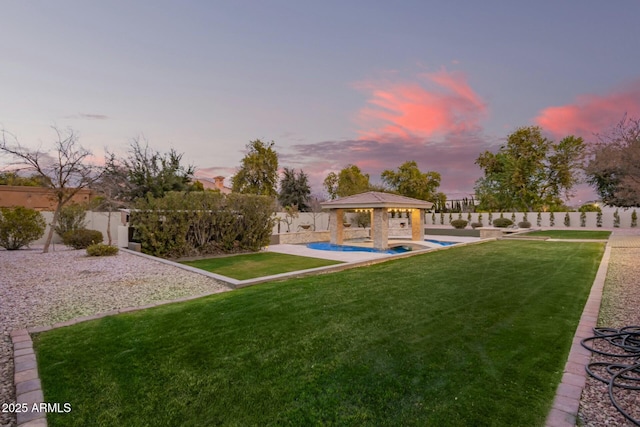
<point>502,222</point>
<point>433,218</point>
<point>72,217</point>
<point>524,224</point>
<point>459,223</point>
<point>513,217</point>
<point>583,219</point>
<point>599,219</point>
<point>100,249</point>
<point>616,219</point>
<point>634,219</point>
<point>590,207</point>
<point>539,219</point>
<point>552,219</point>
<point>20,226</point>
<point>82,238</point>
<point>567,220</point>
<point>475,225</point>
<point>441,218</point>
<point>185,224</point>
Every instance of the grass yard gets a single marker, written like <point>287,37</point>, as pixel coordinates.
<point>571,234</point>
<point>474,335</point>
<point>249,266</point>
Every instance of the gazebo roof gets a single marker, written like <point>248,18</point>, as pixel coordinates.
<point>375,199</point>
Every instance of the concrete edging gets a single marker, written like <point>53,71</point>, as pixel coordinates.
<point>564,410</point>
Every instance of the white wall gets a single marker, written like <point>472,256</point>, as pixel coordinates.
<point>94,221</point>
<point>532,217</point>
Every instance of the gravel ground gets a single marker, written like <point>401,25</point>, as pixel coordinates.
<point>39,289</point>
<point>620,307</point>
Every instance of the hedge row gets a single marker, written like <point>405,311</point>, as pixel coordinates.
<point>196,223</point>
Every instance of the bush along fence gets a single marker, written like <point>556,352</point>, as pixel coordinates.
<point>618,218</point>
<point>195,223</point>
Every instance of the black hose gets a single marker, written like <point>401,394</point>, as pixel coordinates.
<point>623,376</point>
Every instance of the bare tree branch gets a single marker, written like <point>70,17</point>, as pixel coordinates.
<point>65,173</point>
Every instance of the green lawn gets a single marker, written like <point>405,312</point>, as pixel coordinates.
<point>474,335</point>
<point>249,266</point>
<point>571,234</point>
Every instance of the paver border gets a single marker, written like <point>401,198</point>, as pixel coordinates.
<point>564,410</point>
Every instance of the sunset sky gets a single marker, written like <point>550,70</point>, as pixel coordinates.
<point>331,82</point>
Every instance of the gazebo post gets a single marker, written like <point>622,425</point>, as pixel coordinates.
<point>417,224</point>
<point>380,227</point>
<point>336,227</point>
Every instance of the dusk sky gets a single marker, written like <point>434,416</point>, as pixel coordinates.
<point>331,82</point>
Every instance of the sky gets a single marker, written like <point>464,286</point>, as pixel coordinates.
<point>332,83</point>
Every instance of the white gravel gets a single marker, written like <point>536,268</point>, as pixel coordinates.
<point>39,289</point>
<point>620,307</point>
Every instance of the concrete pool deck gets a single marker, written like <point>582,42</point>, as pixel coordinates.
<point>303,250</point>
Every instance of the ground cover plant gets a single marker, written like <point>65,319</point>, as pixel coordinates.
<point>474,335</point>
<point>249,266</point>
<point>570,234</point>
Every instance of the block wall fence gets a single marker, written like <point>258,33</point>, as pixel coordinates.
<point>306,221</point>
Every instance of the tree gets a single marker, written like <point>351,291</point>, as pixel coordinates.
<point>12,178</point>
<point>258,173</point>
<point>410,182</point>
<point>145,171</point>
<point>65,172</point>
<point>294,189</point>
<point>347,182</point>
<point>614,167</point>
<point>530,172</point>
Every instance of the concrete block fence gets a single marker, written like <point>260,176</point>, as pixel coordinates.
<point>320,222</point>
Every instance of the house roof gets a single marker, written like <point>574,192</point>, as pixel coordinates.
<point>375,199</point>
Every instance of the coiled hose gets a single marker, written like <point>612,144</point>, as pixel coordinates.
<point>624,344</point>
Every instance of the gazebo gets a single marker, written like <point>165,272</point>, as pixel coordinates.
<point>379,205</point>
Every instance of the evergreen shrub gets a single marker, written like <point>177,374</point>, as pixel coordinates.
<point>81,238</point>
<point>459,223</point>
<point>72,217</point>
<point>20,226</point>
<point>100,249</point>
<point>524,224</point>
<point>194,223</point>
<point>502,222</point>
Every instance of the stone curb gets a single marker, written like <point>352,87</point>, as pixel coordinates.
<point>27,381</point>
<point>564,411</point>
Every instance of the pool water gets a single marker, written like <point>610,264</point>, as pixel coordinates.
<point>346,248</point>
<point>440,242</point>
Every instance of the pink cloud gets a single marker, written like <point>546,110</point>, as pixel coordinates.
<point>439,103</point>
<point>591,113</point>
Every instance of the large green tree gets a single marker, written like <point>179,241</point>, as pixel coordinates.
<point>258,173</point>
<point>294,189</point>
<point>614,167</point>
<point>530,172</point>
<point>347,182</point>
<point>409,181</point>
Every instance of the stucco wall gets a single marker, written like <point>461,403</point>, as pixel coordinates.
<point>37,198</point>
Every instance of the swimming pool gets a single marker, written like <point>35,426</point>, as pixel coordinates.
<point>346,248</point>
<point>441,243</point>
